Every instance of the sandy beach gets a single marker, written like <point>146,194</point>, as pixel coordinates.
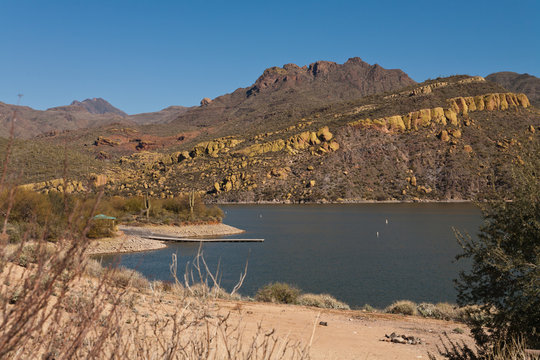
<point>131,238</point>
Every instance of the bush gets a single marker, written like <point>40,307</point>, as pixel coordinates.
<point>324,301</point>
<point>368,308</point>
<point>124,277</point>
<point>443,311</point>
<point>504,277</point>
<point>280,293</point>
<point>93,268</point>
<point>404,307</point>
<point>101,229</point>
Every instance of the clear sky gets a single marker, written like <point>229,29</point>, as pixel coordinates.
<point>143,56</point>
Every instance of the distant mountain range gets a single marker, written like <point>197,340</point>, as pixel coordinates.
<point>98,106</point>
<point>279,94</point>
<point>287,90</point>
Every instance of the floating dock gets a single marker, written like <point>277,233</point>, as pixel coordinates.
<point>178,239</point>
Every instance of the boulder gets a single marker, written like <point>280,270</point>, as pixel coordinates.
<point>451,116</point>
<point>324,134</point>
<point>311,183</point>
<point>468,148</point>
<point>206,101</point>
<point>443,135</point>
<point>183,155</point>
<point>532,129</point>
<point>456,133</point>
<point>314,139</point>
<point>334,146</point>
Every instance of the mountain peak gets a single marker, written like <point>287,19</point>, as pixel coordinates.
<point>355,74</point>
<point>98,106</point>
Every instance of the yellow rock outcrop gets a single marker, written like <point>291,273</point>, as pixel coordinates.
<point>258,149</point>
<point>439,115</point>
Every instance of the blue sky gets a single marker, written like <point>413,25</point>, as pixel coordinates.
<point>146,55</point>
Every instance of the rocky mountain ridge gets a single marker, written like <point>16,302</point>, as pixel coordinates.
<point>288,91</point>
<point>445,139</point>
<point>525,83</point>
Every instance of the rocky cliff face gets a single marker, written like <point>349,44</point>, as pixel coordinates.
<point>525,83</point>
<point>282,93</point>
<point>355,78</point>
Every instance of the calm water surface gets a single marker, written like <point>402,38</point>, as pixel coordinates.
<point>349,251</point>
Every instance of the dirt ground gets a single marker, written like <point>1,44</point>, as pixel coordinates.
<point>348,334</point>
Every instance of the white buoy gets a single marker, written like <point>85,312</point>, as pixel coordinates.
<point>377,234</point>
<point>386,221</point>
<point>260,215</point>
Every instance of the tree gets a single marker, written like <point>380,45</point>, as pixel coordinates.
<point>504,279</point>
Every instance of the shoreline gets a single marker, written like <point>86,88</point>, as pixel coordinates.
<point>344,202</point>
<point>132,237</point>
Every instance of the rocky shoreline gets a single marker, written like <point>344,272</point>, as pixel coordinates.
<point>132,237</point>
<point>345,201</point>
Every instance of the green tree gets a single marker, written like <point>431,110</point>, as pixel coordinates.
<point>504,278</point>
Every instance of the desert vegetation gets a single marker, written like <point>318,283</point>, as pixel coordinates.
<point>33,214</point>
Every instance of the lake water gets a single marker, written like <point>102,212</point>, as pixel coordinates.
<point>360,253</point>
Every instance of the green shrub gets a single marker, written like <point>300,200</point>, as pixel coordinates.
<point>404,307</point>
<point>100,229</point>
<point>324,301</point>
<point>278,293</point>
<point>503,279</point>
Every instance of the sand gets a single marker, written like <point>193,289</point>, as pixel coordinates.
<point>131,238</point>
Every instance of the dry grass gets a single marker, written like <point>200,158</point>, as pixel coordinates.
<point>324,301</point>
<point>404,307</point>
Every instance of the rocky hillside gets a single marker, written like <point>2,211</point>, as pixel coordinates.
<point>525,83</point>
<point>444,139</point>
<point>290,92</point>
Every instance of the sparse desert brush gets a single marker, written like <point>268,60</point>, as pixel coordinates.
<point>450,311</point>
<point>368,308</point>
<point>25,254</point>
<point>280,293</point>
<point>325,301</point>
<point>93,268</point>
<point>124,277</point>
<point>404,307</point>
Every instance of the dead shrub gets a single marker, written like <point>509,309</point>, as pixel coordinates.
<point>324,301</point>
<point>404,307</point>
